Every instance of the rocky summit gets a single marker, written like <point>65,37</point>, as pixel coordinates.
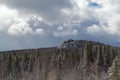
<point>72,60</point>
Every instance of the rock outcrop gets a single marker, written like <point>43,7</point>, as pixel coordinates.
<point>73,60</point>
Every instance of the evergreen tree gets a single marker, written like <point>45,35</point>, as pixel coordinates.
<point>113,72</point>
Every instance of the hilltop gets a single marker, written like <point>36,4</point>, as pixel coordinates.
<point>72,60</point>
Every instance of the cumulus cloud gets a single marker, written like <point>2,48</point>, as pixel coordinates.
<point>93,29</point>
<point>20,29</point>
<point>40,31</point>
<point>49,10</point>
<point>14,24</point>
<point>66,30</point>
<point>108,17</point>
<point>106,12</point>
<point>56,19</point>
<point>5,18</point>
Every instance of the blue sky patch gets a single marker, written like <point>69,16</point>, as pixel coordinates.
<point>94,4</point>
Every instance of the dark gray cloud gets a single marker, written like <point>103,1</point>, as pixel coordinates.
<point>48,9</point>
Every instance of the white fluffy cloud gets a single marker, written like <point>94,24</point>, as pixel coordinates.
<point>66,30</point>
<point>108,17</point>
<point>15,24</point>
<point>20,29</point>
<point>94,29</point>
<point>40,31</point>
<point>106,13</point>
<point>60,18</point>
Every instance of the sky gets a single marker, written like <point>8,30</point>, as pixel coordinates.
<point>26,24</point>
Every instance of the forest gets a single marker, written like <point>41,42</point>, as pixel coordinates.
<point>72,60</point>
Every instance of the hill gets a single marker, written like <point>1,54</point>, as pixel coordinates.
<point>72,60</point>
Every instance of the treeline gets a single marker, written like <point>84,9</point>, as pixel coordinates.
<point>88,61</point>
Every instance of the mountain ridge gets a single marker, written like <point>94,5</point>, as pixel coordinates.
<point>59,46</point>
<point>73,60</point>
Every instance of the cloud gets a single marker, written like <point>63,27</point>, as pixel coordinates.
<point>14,24</point>
<point>49,10</point>
<point>20,29</point>
<point>108,17</point>
<point>23,29</point>
<point>5,18</point>
<point>46,21</point>
<point>94,29</point>
<point>65,30</point>
<point>40,31</point>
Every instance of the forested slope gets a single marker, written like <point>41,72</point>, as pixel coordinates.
<point>73,60</point>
